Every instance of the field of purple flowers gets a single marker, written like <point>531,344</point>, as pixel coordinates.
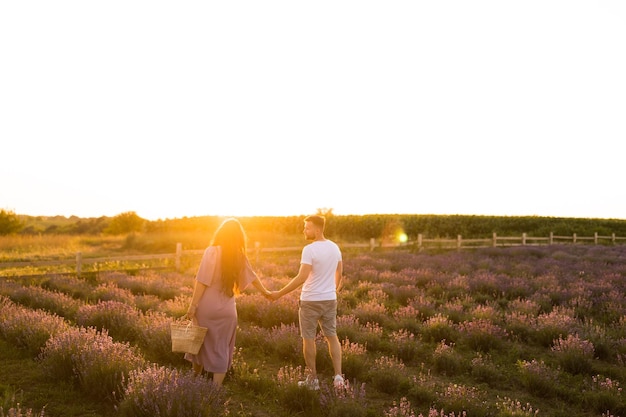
<point>521,331</point>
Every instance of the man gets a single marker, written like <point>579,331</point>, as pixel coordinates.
<point>320,276</point>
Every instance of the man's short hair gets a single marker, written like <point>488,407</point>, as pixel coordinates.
<point>319,221</point>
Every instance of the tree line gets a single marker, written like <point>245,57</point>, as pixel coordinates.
<point>345,227</point>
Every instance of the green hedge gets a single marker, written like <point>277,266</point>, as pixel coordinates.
<point>353,227</point>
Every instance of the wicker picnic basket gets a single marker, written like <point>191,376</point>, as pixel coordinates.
<point>187,338</point>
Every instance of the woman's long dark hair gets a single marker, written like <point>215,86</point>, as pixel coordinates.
<point>232,239</point>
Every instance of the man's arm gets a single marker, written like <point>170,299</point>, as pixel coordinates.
<point>339,276</point>
<point>297,281</point>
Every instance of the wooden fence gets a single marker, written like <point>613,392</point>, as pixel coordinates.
<point>420,244</point>
<point>523,240</point>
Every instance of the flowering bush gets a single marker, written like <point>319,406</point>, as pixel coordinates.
<point>485,312</point>
<point>285,341</point>
<point>122,321</point>
<point>404,344</point>
<point>296,399</point>
<point>175,307</point>
<point>455,310</point>
<point>8,288</point>
<point>604,394</point>
<point>248,377</point>
<point>422,389</point>
<point>365,273</point>
<point>574,354</point>
<point>604,384</point>
<point>109,291</point>
<point>465,398</point>
<point>525,306</point>
<point>514,408</point>
<point>346,401</point>
<point>402,289</point>
<point>74,287</point>
<point>91,359</point>
<point>519,325</point>
<point>481,334</point>
<point>54,302</point>
<point>446,360</point>
<point>256,309</point>
<point>363,288</point>
<point>538,377</point>
<point>165,285</point>
<point>424,304</point>
<point>354,361</point>
<point>289,375</point>
<point>407,317</point>
<point>438,328</point>
<point>460,284</point>
<point>484,370</point>
<point>388,374</point>
<point>401,409</point>
<point>371,311</point>
<point>371,336</point>
<point>550,326</point>
<point>154,337</point>
<point>26,328</point>
<point>151,302</point>
<point>160,391</point>
<point>374,329</point>
<point>485,283</point>
<point>348,326</point>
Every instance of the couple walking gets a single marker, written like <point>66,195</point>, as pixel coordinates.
<point>225,271</point>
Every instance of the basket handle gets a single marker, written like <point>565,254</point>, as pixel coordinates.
<point>183,321</point>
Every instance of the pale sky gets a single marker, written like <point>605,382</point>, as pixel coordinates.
<point>245,108</point>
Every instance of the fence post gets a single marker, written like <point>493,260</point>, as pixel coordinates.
<point>574,238</point>
<point>419,242</point>
<point>458,242</point>
<point>524,239</point>
<point>551,239</point>
<point>179,253</point>
<point>595,238</point>
<point>372,244</point>
<point>495,239</point>
<point>613,238</point>
<point>79,263</point>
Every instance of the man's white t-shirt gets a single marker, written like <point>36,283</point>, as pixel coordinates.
<point>323,256</point>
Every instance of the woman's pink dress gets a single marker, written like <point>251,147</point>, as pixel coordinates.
<point>218,313</point>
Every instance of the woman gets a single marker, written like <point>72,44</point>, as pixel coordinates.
<point>224,271</point>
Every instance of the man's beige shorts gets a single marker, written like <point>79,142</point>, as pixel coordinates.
<point>313,312</point>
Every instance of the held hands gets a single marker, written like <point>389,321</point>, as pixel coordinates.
<point>274,295</point>
<point>271,295</point>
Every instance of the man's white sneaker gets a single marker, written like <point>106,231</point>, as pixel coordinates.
<point>338,381</point>
<point>310,383</point>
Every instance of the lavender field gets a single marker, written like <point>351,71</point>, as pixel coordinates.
<point>521,331</point>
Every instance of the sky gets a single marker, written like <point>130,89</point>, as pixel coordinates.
<point>280,108</point>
